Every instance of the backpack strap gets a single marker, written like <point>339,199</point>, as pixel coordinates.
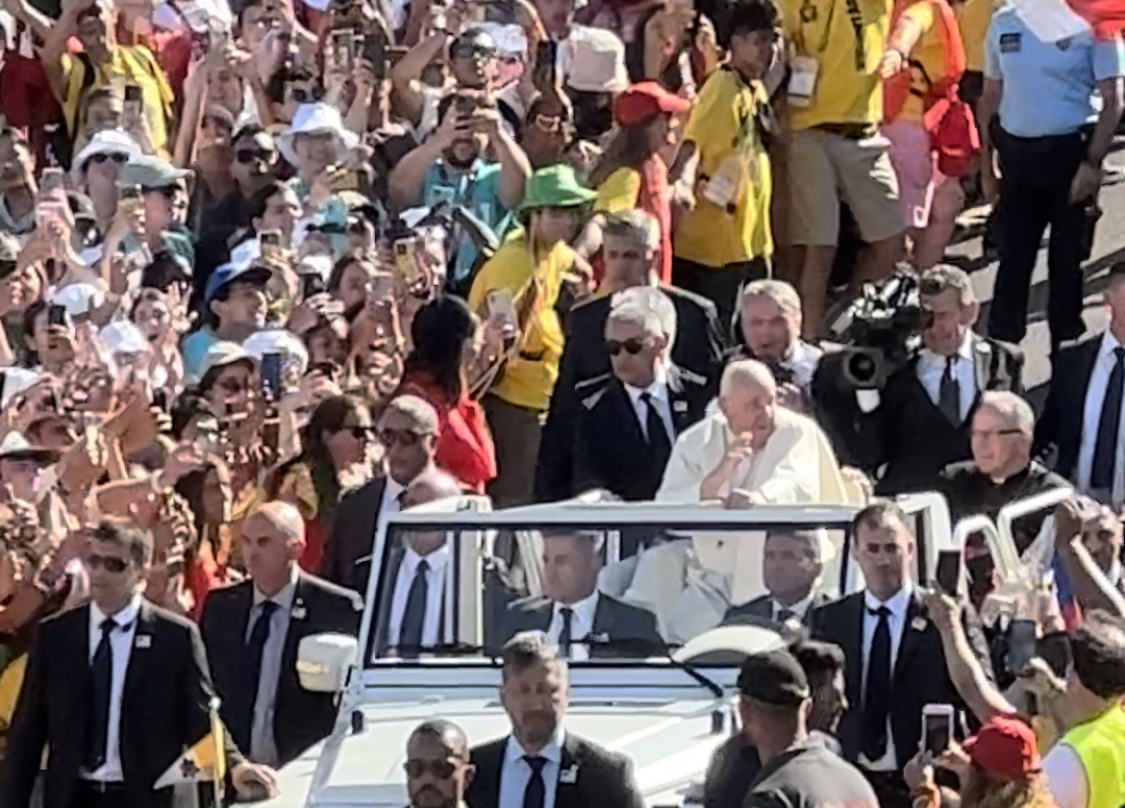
<point>953,48</point>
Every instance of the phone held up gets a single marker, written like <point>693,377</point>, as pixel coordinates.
<point>937,728</point>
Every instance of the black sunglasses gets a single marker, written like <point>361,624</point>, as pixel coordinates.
<point>359,432</point>
<point>469,50</point>
<point>630,346</point>
<point>304,95</point>
<point>403,437</point>
<point>108,563</point>
<point>117,157</point>
<point>440,769</point>
<point>246,156</point>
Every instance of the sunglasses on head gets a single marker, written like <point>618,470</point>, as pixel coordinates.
<point>120,159</point>
<point>630,346</point>
<point>399,437</point>
<point>108,563</point>
<point>247,156</point>
<point>440,769</point>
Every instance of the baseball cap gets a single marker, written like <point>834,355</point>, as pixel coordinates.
<point>150,172</point>
<point>230,273</point>
<point>122,336</point>
<point>773,677</point>
<point>1005,748</point>
<point>646,100</point>
<point>222,354</point>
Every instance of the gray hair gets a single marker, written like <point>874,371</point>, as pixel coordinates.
<point>530,649</point>
<point>745,371</point>
<point>637,303</point>
<point>813,540</point>
<point>1010,407</point>
<point>780,292</point>
<point>942,278</point>
<point>416,409</point>
<point>636,225</point>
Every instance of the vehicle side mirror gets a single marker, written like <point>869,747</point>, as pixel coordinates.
<point>323,661</point>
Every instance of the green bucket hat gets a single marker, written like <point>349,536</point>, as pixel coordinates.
<point>555,187</point>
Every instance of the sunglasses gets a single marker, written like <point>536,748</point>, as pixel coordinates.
<point>400,437</point>
<point>549,123</point>
<point>630,346</point>
<point>439,769</point>
<point>359,432</point>
<point>306,95</point>
<point>248,156</point>
<point>120,159</point>
<point>108,563</point>
<point>470,51</point>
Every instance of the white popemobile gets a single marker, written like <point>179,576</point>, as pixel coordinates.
<point>667,712</point>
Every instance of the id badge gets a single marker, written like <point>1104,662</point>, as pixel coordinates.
<point>802,80</point>
<point>722,189</point>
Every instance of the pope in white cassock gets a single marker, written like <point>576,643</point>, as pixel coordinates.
<point>749,451</point>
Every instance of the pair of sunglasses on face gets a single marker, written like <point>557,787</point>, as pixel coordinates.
<point>631,346</point>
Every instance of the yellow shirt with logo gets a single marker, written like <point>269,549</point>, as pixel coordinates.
<point>974,17</point>
<point>126,65</point>
<point>724,123</point>
<point>529,377</point>
<point>929,53</point>
<point>848,89</point>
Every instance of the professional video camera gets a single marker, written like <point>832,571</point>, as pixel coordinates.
<point>881,330</point>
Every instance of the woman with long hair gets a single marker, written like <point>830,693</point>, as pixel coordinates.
<point>335,447</point>
<point>447,340</point>
<point>632,173</point>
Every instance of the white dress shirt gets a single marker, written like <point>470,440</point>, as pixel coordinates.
<point>391,492</point>
<point>931,369</point>
<point>581,625</point>
<point>263,745</point>
<point>658,391</point>
<point>516,772</point>
<point>1091,415</point>
<point>896,621</point>
<point>121,646</point>
<point>438,561</point>
<point>799,609</point>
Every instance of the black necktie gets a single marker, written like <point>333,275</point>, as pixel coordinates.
<point>1109,424</point>
<point>785,614</point>
<point>877,688</point>
<point>656,432</point>
<point>97,708</point>
<point>949,393</point>
<point>259,634</point>
<point>565,635</point>
<point>535,795</point>
<point>414,615</point>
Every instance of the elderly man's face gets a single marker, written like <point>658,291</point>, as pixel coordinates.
<point>768,329</point>
<point>267,551</point>
<point>632,353</point>
<point>949,322</point>
<point>789,568</point>
<point>627,262</point>
<point>750,408</point>
<point>998,442</point>
<point>570,568</point>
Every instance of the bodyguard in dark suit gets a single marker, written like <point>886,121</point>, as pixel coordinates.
<point>922,422</point>
<point>1079,430</point>
<point>116,689</point>
<point>631,246</point>
<point>573,609</point>
<point>539,757</point>
<point>895,663</point>
<point>252,631</point>
<point>792,566</point>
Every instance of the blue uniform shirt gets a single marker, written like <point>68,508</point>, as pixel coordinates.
<point>1048,86</point>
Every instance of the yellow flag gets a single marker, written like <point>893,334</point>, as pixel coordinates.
<point>206,761</point>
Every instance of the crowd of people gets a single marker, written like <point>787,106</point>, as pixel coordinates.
<point>271,270</point>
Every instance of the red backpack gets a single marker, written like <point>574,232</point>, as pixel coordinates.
<point>948,119</point>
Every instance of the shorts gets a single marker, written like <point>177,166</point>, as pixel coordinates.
<point>913,160</point>
<point>825,167</point>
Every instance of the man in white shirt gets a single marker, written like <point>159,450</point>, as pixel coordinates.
<point>540,765</point>
<point>792,564</point>
<point>582,621</point>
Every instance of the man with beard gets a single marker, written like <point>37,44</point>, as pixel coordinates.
<point>437,765</point>
<point>524,769</point>
<point>453,166</point>
<point>736,763</point>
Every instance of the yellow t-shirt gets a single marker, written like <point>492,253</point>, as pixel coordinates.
<point>619,191</point>
<point>974,17</point>
<point>126,65</point>
<point>529,377</point>
<point>724,122</point>
<point>929,53</point>
<point>848,89</point>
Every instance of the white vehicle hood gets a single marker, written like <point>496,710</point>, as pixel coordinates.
<point>669,742</point>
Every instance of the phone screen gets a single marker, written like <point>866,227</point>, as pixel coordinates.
<point>375,54</point>
<point>56,315</point>
<point>271,375</point>
<point>948,576</point>
<point>937,732</point>
<point>311,284</point>
<point>50,181</point>
<point>1022,642</point>
<point>1054,649</point>
<point>546,59</point>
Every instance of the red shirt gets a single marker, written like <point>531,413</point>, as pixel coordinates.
<point>464,444</point>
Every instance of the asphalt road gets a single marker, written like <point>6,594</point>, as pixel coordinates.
<point>1109,247</point>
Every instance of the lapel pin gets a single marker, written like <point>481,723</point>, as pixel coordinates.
<point>298,612</point>
<point>569,775</point>
<point>918,624</point>
<point>679,406</point>
<point>143,641</point>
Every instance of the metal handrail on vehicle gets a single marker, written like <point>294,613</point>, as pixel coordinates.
<point>1042,549</point>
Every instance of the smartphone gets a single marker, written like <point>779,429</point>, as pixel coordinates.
<point>56,315</point>
<point>500,302</point>
<point>3,382</point>
<point>48,204</point>
<point>342,47</point>
<point>948,574</point>
<point>269,245</point>
<point>546,61</point>
<point>51,180</point>
<point>271,374</point>
<point>312,284</point>
<point>1022,645</point>
<point>465,106</point>
<point>1054,649</point>
<point>937,728</point>
<point>131,110</point>
<point>406,262</point>
<point>375,54</point>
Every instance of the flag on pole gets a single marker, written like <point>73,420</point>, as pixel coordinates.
<point>206,761</point>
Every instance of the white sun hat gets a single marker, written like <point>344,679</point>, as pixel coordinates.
<point>314,119</point>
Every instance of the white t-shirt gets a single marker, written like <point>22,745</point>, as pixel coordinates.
<point>1066,777</point>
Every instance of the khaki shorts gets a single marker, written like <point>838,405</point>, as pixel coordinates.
<point>824,168</point>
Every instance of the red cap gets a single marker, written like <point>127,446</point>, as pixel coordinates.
<point>1005,748</point>
<point>646,100</point>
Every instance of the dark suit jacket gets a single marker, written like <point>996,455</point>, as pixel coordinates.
<point>302,717</point>
<point>916,439</point>
<point>614,619</point>
<point>920,675</point>
<point>603,778</point>
<point>353,537</point>
<point>164,708</point>
<point>1059,430</point>
<point>698,348</point>
<point>606,418</point>
<point>761,608</point>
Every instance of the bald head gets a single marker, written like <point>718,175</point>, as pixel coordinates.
<point>430,486</point>
<point>748,399</point>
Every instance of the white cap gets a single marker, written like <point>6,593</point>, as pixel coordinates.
<point>221,354</point>
<point>122,336</point>
<point>78,298</point>
<point>280,341</point>
<point>311,119</point>
<point>16,380</point>
<point>594,61</point>
<point>107,141</point>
